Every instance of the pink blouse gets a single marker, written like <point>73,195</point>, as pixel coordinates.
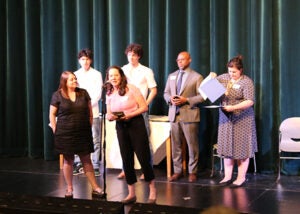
<point>126,103</point>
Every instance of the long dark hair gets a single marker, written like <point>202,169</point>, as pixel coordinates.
<point>63,83</point>
<point>123,84</point>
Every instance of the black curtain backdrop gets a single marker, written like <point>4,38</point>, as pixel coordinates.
<point>41,38</point>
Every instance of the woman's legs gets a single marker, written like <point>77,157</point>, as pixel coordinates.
<point>131,191</point>
<point>228,168</point>
<point>152,191</point>
<point>126,150</point>
<point>68,172</point>
<point>132,138</point>
<point>141,146</point>
<point>242,171</point>
<point>89,171</point>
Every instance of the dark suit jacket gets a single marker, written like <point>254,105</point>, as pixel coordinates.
<point>190,111</point>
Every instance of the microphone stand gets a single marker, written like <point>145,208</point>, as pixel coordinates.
<point>103,127</point>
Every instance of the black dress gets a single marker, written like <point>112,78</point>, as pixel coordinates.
<point>73,133</point>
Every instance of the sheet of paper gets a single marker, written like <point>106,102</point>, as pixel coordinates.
<point>202,83</point>
<point>212,106</point>
<point>211,88</point>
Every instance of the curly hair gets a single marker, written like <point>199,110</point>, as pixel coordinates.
<point>86,53</point>
<point>135,48</point>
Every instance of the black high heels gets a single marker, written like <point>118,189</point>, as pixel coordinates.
<point>225,183</point>
<point>238,185</point>
<point>129,200</point>
<point>98,194</point>
<point>151,201</point>
<point>69,194</point>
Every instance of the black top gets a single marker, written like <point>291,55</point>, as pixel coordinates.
<point>73,133</point>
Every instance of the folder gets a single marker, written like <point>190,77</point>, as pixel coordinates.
<point>211,88</point>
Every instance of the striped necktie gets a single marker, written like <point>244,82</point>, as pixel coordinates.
<point>179,82</point>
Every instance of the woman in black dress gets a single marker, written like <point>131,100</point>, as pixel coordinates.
<point>70,119</point>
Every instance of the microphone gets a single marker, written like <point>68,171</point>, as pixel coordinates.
<point>106,87</point>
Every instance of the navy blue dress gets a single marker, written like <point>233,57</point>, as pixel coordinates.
<point>237,130</point>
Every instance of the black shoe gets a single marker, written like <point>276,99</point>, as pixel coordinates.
<point>238,185</point>
<point>68,194</point>
<point>129,200</point>
<point>225,183</point>
<point>96,194</point>
<point>151,201</point>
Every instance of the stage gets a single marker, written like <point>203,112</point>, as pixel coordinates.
<point>36,181</point>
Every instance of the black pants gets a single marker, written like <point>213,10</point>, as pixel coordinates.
<point>133,138</point>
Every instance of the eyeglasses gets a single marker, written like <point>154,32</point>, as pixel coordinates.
<point>183,59</point>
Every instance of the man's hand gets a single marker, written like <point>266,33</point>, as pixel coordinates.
<point>178,100</point>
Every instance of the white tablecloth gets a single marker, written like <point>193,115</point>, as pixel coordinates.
<point>160,132</point>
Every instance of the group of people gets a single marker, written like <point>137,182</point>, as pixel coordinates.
<point>74,106</point>
<point>74,119</point>
<point>237,141</point>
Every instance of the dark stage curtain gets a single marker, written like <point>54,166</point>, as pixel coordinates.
<point>40,39</point>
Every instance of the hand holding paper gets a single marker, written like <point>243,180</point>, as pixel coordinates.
<point>211,88</point>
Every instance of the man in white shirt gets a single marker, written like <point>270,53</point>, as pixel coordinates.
<point>142,77</point>
<point>91,80</point>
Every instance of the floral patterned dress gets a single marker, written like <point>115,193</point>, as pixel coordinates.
<point>237,130</point>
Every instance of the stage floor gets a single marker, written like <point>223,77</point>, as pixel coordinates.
<point>261,194</point>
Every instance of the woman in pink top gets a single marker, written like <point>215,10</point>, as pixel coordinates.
<point>125,104</point>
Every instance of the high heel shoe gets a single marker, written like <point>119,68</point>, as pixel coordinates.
<point>153,195</point>
<point>238,185</point>
<point>151,201</point>
<point>98,194</point>
<point>69,194</point>
<point>121,175</point>
<point>129,200</point>
<point>225,183</point>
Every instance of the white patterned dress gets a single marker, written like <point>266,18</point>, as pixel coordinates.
<point>237,130</point>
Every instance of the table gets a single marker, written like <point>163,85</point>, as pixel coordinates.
<point>160,143</point>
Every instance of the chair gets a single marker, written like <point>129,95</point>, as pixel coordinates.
<point>289,140</point>
<point>215,154</point>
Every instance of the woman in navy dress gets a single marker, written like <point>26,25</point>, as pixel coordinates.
<point>237,140</point>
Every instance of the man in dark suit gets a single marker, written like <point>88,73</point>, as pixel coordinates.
<point>182,95</point>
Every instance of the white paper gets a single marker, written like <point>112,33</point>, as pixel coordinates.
<point>212,106</point>
<point>211,88</point>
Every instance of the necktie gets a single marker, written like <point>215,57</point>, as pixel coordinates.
<point>179,82</point>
